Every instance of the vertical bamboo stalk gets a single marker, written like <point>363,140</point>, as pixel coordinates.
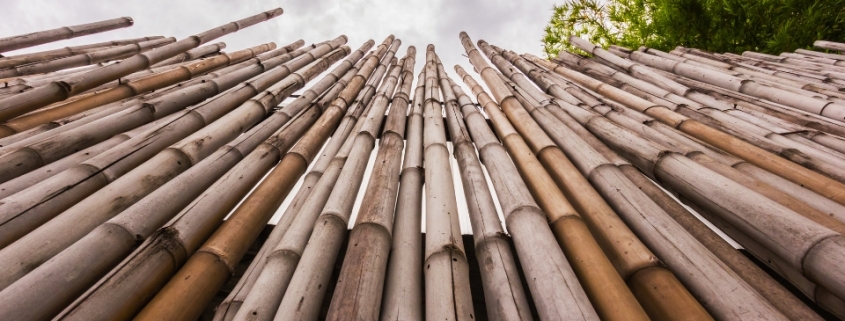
<point>602,283</point>
<point>57,91</point>
<point>46,36</point>
<point>572,302</point>
<point>403,290</point>
<point>182,297</point>
<point>447,292</point>
<point>359,290</point>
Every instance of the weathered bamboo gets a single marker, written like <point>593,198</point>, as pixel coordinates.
<point>403,289</point>
<point>503,292</point>
<point>447,292</point>
<point>214,262</point>
<point>57,91</point>
<point>149,268</point>
<point>232,304</point>
<point>132,88</point>
<point>829,45</point>
<point>172,161</point>
<point>197,53</point>
<point>820,54</point>
<point>571,302</point>
<point>115,53</point>
<point>358,293</point>
<point>46,36</point>
<point>17,60</point>
<point>603,284</point>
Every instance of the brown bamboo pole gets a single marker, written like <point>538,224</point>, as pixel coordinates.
<point>403,289</point>
<point>123,292</point>
<point>132,88</point>
<point>358,293</point>
<point>57,91</point>
<point>232,304</point>
<point>46,36</point>
<point>159,169</point>
<point>264,297</point>
<point>194,54</point>
<point>212,264</point>
<point>115,53</point>
<point>602,283</point>
<point>84,135</point>
<point>17,60</point>
<point>503,292</point>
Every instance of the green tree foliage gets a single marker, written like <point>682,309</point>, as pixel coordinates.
<point>771,26</point>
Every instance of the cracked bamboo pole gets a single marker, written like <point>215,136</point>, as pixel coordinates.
<point>447,291</point>
<point>60,90</point>
<point>212,264</point>
<point>603,284</point>
<point>358,293</point>
<point>31,207</point>
<point>403,289</point>
<point>503,292</point>
<point>571,302</point>
<point>232,304</point>
<point>80,60</point>
<point>17,60</point>
<point>46,36</point>
<point>131,88</point>
<point>195,53</point>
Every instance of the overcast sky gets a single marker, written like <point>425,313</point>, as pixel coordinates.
<point>515,25</point>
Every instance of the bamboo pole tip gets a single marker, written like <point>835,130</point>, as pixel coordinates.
<point>463,34</point>
<point>275,12</point>
<point>430,47</point>
<point>222,45</point>
<point>345,38</point>
<point>129,20</point>
<point>411,51</point>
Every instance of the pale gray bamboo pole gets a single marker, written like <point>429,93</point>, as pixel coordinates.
<point>834,77</point>
<point>263,297</point>
<point>162,167</point>
<point>447,291</point>
<point>713,60</point>
<point>358,294</point>
<point>829,45</point>
<point>230,306</point>
<point>17,60</point>
<point>503,292</point>
<point>403,290</point>
<point>119,52</point>
<point>57,91</point>
<point>798,61</point>
<point>194,54</point>
<point>46,36</point>
<point>72,140</point>
<point>117,295</point>
<point>820,54</point>
<point>31,207</point>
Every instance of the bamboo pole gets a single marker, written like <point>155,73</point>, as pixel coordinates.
<point>194,54</point>
<point>118,296</point>
<point>57,91</point>
<point>17,60</point>
<point>46,36</point>
<point>232,304</point>
<point>403,289</point>
<point>602,283</point>
<point>829,45</point>
<point>212,264</point>
<point>132,88</point>
<point>358,294</point>
<point>115,53</point>
<point>163,166</point>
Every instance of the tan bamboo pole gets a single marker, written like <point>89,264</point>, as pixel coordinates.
<point>358,293</point>
<point>83,135</point>
<point>503,292</point>
<point>572,302</point>
<point>159,169</point>
<point>232,304</point>
<point>194,54</point>
<point>796,173</point>
<point>57,91</point>
<point>403,289</point>
<point>46,36</point>
<point>132,88</point>
<point>447,291</point>
<point>149,268</point>
<point>18,60</point>
<point>33,206</point>
<point>264,297</point>
<point>115,53</point>
<point>602,283</point>
<point>212,264</point>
